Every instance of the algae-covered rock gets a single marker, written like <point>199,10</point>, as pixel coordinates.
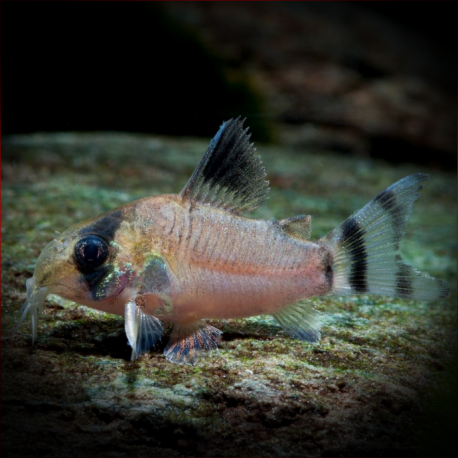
<point>380,382</point>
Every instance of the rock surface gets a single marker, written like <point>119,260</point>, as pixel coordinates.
<point>380,382</point>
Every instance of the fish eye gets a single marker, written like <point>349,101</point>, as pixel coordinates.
<point>91,251</point>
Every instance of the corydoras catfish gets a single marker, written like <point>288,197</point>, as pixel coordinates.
<point>183,258</point>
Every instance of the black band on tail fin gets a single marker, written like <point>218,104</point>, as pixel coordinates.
<point>354,234</point>
<point>365,248</point>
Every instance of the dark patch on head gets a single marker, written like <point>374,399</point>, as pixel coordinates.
<point>94,281</point>
<point>353,241</point>
<point>106,226</point>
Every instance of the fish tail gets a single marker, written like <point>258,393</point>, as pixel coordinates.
<point>365,248</point>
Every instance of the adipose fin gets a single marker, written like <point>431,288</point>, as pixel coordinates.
<point>298,226</point>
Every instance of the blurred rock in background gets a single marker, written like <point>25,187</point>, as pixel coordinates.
<point>347,77</point>
<point>372,79</point>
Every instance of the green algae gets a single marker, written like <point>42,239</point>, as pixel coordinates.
<point>372,371</point>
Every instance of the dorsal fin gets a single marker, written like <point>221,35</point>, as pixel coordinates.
<point>229,176</point>
<point>298,226</point>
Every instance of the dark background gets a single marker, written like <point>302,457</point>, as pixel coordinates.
<point>123,66</point>
<point>374,78</point>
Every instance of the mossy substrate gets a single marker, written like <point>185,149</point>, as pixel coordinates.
<point>381,382</point>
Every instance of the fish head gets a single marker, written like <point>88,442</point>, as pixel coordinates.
<point>87,263</point>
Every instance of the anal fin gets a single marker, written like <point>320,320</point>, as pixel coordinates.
<point>298,226</point>
<point>189,342</point>
<point>300,321</point>
<point>143,331</point>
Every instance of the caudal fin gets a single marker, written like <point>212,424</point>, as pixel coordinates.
<point>366,248</point>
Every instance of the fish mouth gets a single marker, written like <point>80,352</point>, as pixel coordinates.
<point>36,296</point>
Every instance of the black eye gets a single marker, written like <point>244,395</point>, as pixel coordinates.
<point>91,251</point>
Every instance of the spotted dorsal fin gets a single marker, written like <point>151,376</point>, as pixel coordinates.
<point>298,226</point>
<point>229,176</point>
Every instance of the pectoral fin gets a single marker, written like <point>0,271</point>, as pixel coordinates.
<point>143,331</point>
<point>189,342</point>
<point>229,176</point>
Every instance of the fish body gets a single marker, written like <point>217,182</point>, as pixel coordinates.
<point>187,257</point>
<point>229,266</point>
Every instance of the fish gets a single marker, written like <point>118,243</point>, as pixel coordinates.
<point>183,259</point>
